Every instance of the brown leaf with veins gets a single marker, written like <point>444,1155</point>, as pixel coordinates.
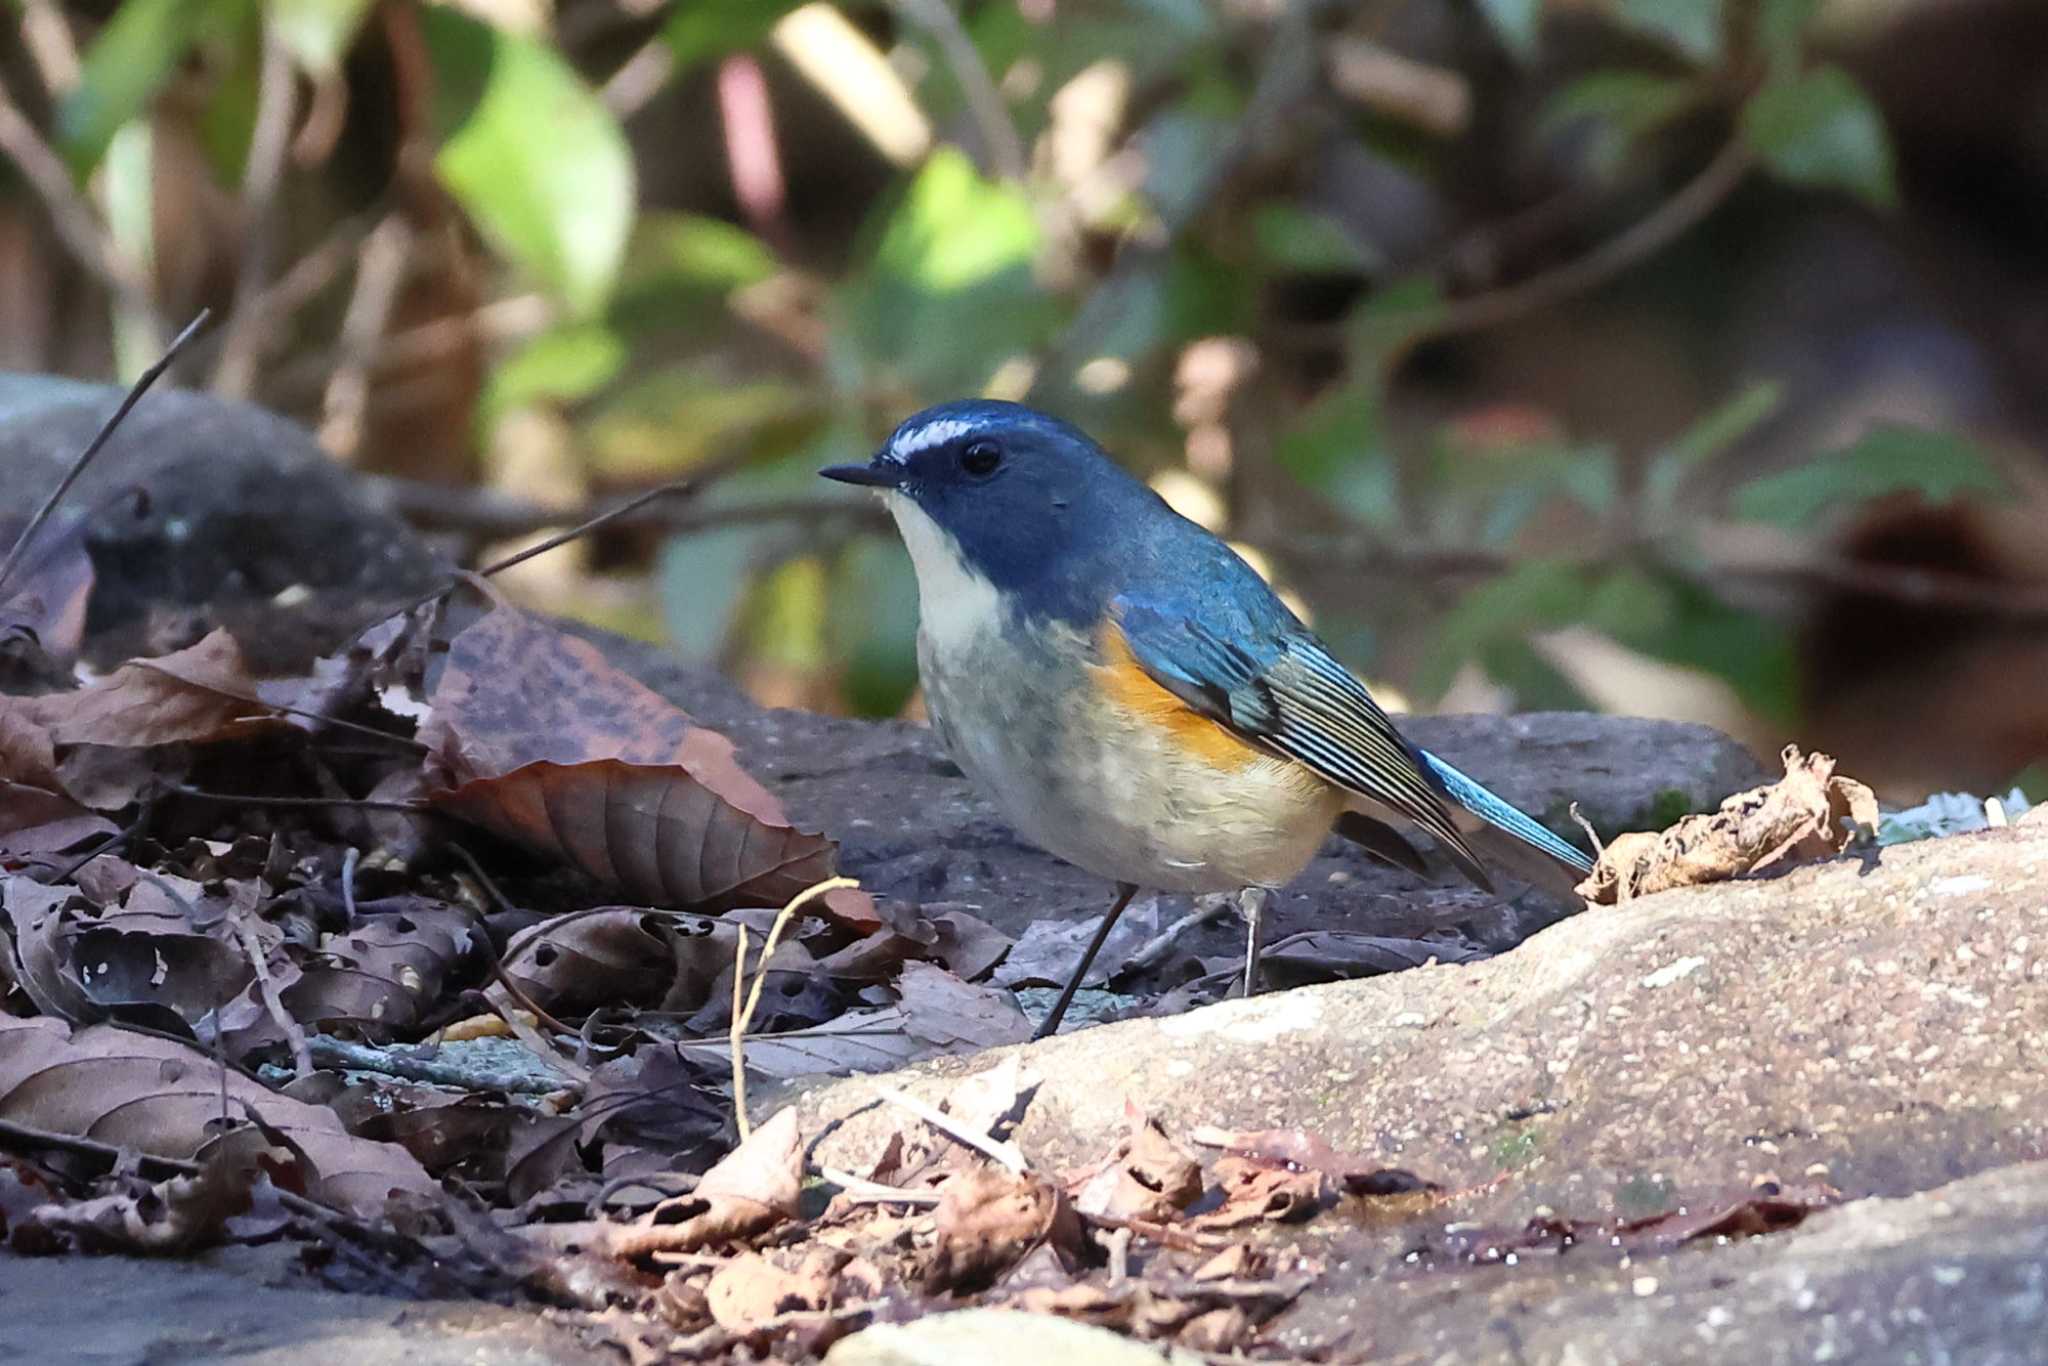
<point>201,693</point>
<point>165,1099</point>
<point>535,736</point>
<point>617,956</point>
<point>1810,813</point>
<point>988,1220</point>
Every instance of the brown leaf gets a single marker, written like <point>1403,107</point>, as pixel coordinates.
<point>1151,1177</point>
<point>1299,1150</point>
<point>164,1098</point>
<point>988,1220</point>
<point>1254,1193</point>
<point>36,821</point>
<point>750,1288</point>
<point>657,834</point>
<point>1810,813</point>
<point>622,955</point>
<point>49,594</point>
<point>537,737</point>
<point>197,694</point>
<point>173,1216</point>
<point>955,1017</point>
<point>381,976</point>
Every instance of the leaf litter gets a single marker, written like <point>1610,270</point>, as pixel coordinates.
<point>254,983</point>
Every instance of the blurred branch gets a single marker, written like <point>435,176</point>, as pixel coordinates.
<point>491,515</point>
<point>522,315</point>
<point>381,274</point>
<point>639,79</point>
<point>78,227</point>
<point>1659,228</point>
<point>270,139</point>
<point>984,101</point>
<point>47,36</point>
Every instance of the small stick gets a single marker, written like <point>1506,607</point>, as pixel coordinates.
<point>1599,849</point>
<point>294,1034</point>
<point>866,1192</point>
<point>92,448</point>
<point>332,1052</point>
<point>1005,1154</point>
<point>742,1018</point>
<point>349,861</point>
<point>1155,949</point>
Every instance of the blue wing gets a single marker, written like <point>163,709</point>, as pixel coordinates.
<point>1279,687</point>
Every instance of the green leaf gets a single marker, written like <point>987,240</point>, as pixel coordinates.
<point>1821,130</point>
<point>950,293</point>
<point>1938,466</point>
<point>872,627</point>
<point>1691,26</point>
<point>1391,317</point>
<point>702,30</point>
<point>1291,238</point>
<point>1540,595</point>
<point>1338,449</point>
<point>533,157</point>
<point>127,64</point>
<point>569,363</point>
<point>1706,439</point>
<point>1623,106</point>
<point>1517,23</point>
<point>701,251</point>
<point>318,33</point>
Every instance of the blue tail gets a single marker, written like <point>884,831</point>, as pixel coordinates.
<point>1505,836</point>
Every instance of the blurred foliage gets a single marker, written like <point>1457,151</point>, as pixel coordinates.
<point>1070,199</point>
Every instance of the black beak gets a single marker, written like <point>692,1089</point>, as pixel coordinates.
<point>876,474</point>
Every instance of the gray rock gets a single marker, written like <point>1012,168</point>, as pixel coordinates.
<point>994,1337</point>
<point>202,512</point>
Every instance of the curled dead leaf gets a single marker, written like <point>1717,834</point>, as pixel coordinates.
<point>1150,1177</point>
<point>1810,813</point>
<point>618,955</point>
<point>988,1220</point>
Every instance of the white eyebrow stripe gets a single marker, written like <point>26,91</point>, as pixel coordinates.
<point>934,433</point>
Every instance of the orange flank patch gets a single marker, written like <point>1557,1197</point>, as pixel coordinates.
<point>1125,683</point>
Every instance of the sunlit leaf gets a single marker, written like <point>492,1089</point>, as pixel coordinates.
<point>127,64</point>
<point>1936,465</point>
<point>664,423</point>
<point>1821,130</point>
<point>700,250</point>
<point>319,33</point>
<point>1517,22</point>
<point>533,156</point>
<point>1693,27</point>
<point>956,230</point>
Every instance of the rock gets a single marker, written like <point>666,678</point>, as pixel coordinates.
<point>1959,1273</point>
<point>994,1337</point>
<point>241,521</point>
<point>1872,1026</point>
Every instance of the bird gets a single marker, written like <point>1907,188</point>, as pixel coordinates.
<point>1135,698</point>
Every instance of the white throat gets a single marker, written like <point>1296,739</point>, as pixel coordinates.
<point>955,603</point>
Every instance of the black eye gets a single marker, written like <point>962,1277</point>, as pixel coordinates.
<point>980,458</point>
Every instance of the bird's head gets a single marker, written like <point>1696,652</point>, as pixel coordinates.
<point>997,490</point>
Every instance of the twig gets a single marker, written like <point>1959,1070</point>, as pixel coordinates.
<point>1006,1154</point>
<point>639,79</point>
<point>349,861</point>
<point>135,392</point>
<point>742,1018</point>
<point>866,1192</point>
<point>78,226</point>
<point>1641,240</point>
<point>242,798</point>
<point>294,1034</point>
<point>1599,849</point>
<point>47,36</point>
<point>269,140</point>
<point>380,275</point>
<point>1154,949</point>
<point>984,100</point>
<point>333,1052</point>
<point>494,515</point>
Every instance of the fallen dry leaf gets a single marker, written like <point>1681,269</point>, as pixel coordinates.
<point>538,738</point>
<point>166,1099</point>
<point>201,693</point>
<point>750,1288</point>
<point>617,956</point>
<point>1299,1150</point>
<point>988,1220</point>
<point>1150,1177</point>
<point>1810,813</point>
<point>172,1216</point>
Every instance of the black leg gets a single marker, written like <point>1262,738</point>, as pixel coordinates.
<point>1124,892</point>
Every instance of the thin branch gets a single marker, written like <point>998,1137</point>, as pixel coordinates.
<point>269,140</point>
<point>135,392</point>
<point>47,36</point>
<point>1643,239</point>
<point>639,79</point>
<point>77,225</point>
<point>273,1003</point>
<point>332,1052</point>
<point>984,101</point>
<point>493,515</point>
<point>742,1017</point>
